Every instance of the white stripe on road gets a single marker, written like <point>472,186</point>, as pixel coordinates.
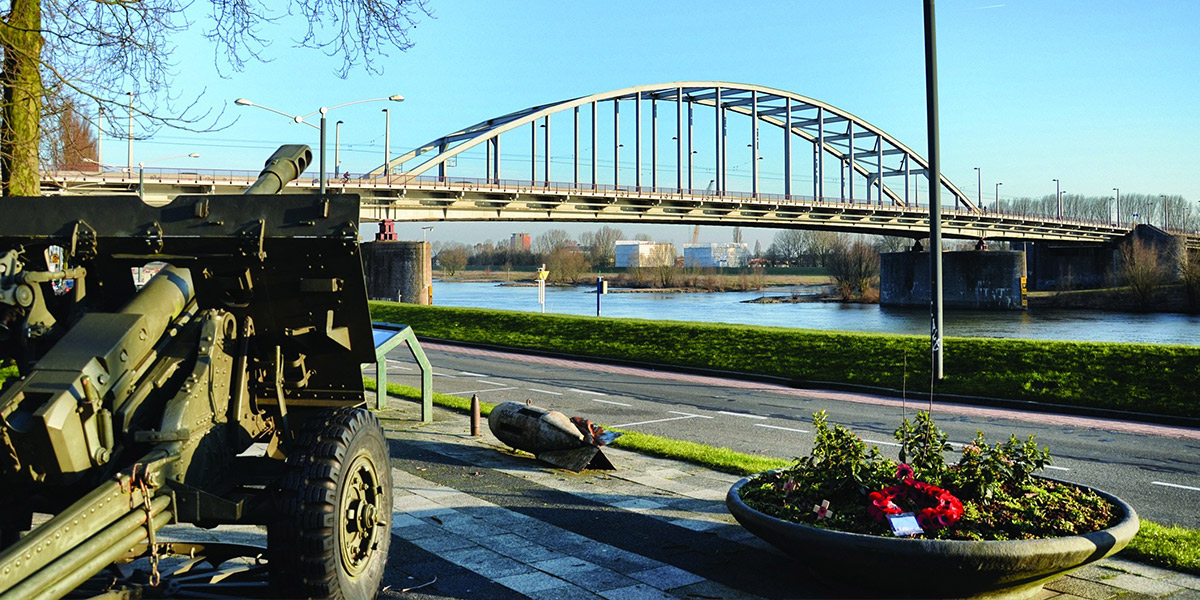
<point>396,364</point>
<point>780,428</point>
<point>488,382</point>
<point>544,391</point>
<point>470,374</point>
<point>610,402</point>
<point>685,416</point>
<point>586,392</point>
<point>879,442</point>
<point>477,391</point>
<point>445,375</point>
<point>1176,485</point>
<point>1057,468</point>
<point>734,414</point>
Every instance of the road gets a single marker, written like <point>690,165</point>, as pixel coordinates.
<point>1153,467</point>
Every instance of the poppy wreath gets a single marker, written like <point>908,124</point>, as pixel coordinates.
<point>945,511</point>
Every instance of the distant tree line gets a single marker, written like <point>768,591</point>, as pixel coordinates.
<point>1155,209</point>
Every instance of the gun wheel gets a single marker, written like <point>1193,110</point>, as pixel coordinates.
<point>334,527</point>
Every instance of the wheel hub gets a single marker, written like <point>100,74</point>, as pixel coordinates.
<point>358,517</point>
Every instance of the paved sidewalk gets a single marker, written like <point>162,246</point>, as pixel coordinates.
<point>491,523</point>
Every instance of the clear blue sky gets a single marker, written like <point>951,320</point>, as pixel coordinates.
<point>1097,93</point>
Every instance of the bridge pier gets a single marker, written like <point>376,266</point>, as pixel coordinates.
<point>398,271</point>
<point>988,280</point>
<point>1091,266</point>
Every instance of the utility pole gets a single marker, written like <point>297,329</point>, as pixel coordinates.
<point>935,188</point>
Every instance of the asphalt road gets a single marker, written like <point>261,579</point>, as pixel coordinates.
<point>1155,468</point>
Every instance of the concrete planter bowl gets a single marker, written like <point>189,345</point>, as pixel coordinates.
<point>890,566</point>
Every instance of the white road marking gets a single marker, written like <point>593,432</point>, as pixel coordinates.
<point>477,391</point>
<point>685,415</point>
<point>395,364</point>
<point>1176,485</point>
<point>1057,468</point>
<point>610,402</point>
<point>445,375</point>
<point>587,392</point>
<point>734,414</point>
<point>489,382</point>
<point>780,428</point>
<point>544,391</point>
<point>470,374</point>
<point>879,442</point>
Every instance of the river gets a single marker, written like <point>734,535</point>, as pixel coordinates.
<point>728,307</point>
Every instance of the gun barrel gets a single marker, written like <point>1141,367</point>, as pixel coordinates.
<point>285,165</point>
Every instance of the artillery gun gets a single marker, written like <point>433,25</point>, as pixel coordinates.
<point>225,390</point>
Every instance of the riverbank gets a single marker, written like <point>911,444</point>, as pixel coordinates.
<point>1167,299</point>
<point>682,280</point>
<point>1094,377</point>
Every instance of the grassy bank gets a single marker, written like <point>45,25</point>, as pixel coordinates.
<point>1148,378</point>
<point>1176,548</point>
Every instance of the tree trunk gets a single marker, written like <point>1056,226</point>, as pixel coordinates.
<point>21,80</point>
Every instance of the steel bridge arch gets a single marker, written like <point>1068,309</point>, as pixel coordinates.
<point>760,103</point>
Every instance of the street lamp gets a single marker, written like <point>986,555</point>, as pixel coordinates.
<point>142,170</point>
<point>998,184</point>
<point>979,186</point>
<point>387,144</point>
<point>1118,191</point>
<point>323,111</point>
<point>1166,212</point>
<point>1058,196</point>
<point>425,233</point>
<point>337,147</point>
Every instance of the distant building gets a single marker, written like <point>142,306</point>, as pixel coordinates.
<point>729,254</point>
<point>637,253</point>
<point>519,242</point>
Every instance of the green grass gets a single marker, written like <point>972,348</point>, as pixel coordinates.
<point>1176,548</point>
<point>1148,378</point>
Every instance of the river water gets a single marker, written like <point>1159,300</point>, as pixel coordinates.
<point>728,307</point>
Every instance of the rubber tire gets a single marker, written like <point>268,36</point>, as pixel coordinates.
<point>306,539</point>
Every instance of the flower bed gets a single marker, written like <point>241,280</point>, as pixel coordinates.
<point>989,494</point>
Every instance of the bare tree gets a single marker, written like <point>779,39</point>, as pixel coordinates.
<point>855,268</point>
<point>552,240</point>
<point>601,245</point>
<point>453,258</point>
<point>788,246</point>
<point>68,139</point>
<point>101,49</point>
<point>1141,269</point>
<point>566,265</point>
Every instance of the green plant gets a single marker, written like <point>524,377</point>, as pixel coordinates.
<point>990,494</point>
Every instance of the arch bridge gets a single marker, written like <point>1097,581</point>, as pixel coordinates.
<point>689,152</point>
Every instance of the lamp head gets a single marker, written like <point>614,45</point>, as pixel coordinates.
<point>243,102</point>
<point>396,98</point>
<point>193,155</point>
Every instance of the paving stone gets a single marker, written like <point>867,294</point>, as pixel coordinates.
<point>1083,588</point>
<point>528,583</point>
<point>567,592</point>
<point>442,543</point>
<point>1137,568</point>
<point>666,578</point>
<point>1184,580</point>
<point>486,562</point>
<point>1143,585</point>
<point>1185,594</point>
<point>637,592</point>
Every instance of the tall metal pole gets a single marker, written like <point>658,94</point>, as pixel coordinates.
<point>935,188</point>
<point>100,138</point>
<point>1118,191</point>
<point>387,146</point>
<point>998,184</point>
<point>130,160</point>
<point>337,149</point>
<point>1058,196</point>
<point>323,111</point>
<point>979,186</point>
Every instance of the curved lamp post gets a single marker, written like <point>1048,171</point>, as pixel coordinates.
<point>323,110</point>
<point>142,170</point>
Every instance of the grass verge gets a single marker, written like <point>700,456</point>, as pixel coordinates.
<point>1147,378</point>
<point>1176,548</point>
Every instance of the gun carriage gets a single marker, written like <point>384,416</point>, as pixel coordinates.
<point>225,390</point>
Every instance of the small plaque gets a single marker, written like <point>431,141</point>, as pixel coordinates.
<point>905,524</point>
